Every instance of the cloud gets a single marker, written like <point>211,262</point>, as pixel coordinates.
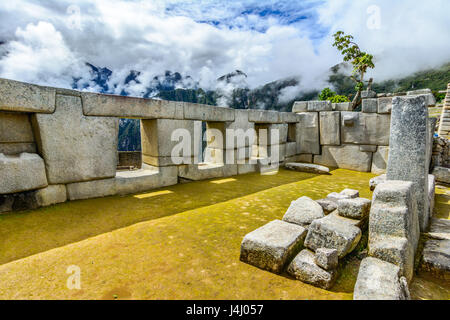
<point>268,40</point>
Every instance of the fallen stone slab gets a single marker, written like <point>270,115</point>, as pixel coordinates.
<point>439,229</point>
<point>350,193</point>
<point>442,174</point>
<point>328,205</point>
<point>303,211</point>
<point>304,268</point>
<point>357,208</point>
<point>361,224</point>
<point>330,232</point>
<point>307,167</point>
<point>326,258</point>
<point>376,181</point>
<point>22,173</point>
<point>379,280</point>
<point>436,258</point>
<point>272,246</point>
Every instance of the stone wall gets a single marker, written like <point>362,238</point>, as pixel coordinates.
<point>58,144</point>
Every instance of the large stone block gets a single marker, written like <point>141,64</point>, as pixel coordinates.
<point>430,100</point>
<point>53,194</point>
<point>15,127</point>
<point>194,111</point>
<point>370,105</point>
<point>394,225</point>
<point>25,97</point>
<point>317,106</point>
<point>291,149</point>
<point>21,173</point>
<point>357,208</point>
<point>264,116</point>
<point>378,280</point>
<point>330,133</point>
<point>333,233</point>
<point>366,128</point>
<point>343,106</point>
<point>384,105</point>
<point>380,160</point>
<point>326,258</point>
<point>442,174</point>
<point>75,147</point>
<point>95,104</point>
<point>206,171</point>
<point>240,131</point>
<point>307,167</point>
<point>308,133</point>
<point>288,117</point>
<point>300,106</point>
<point>272,246</point>
<point>303,212</point>
<point>346,157</point>
<point>304,268</point>
<point>408,149</point>
<point>436,258</point>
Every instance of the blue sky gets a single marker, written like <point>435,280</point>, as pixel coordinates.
<point>49,42</point>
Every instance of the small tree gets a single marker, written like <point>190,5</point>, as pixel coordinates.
<point>360,60</point>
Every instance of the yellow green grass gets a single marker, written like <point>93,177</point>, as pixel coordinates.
<point>180,242</point>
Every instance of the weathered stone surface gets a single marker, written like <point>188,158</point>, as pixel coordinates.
<point>304,268</point>
<point>367,148</point>
<point>247,168</point>
<point>303,211</point>
<point>15,127</point>
<point>385,105</point>
<point>330,128</point>
<point>91,189</point>
<point>263,116</point>
<point>240,131</point>
<point>304,158</point>
<point>337,196</point>
<point>317,106</point>
<point>95,104</point>
<point>394,226</point>
<point>357,208</point>
<point>326,258</point>
<point>307,167</point>
<point>288,117</point>
<point>430,100</point>
<point>206,171</point>
<point>25,97</point>
<point>368,94</point>
<point>291,149</point>
<point>328,205</point>
<point>53,194</point>
<point>194,111</point>
<point>376,181</point>
<point>378,280</point>
<point>17,148</point>
<point>272,246</point>
<point>409,149</point>
<point>75,147</point>
<point>370,105</point>
<point>300,106</point>
<point>345,157</point>
<point>436,258</point>
<point>21,173</point>
<point>333,233</point>
<point>350,193</point>
<point>380,160</point>
<point>442,174</point>
<point>361,224</point>
<point>343,106</point>
<point>367,128</point>
<point>308,133</point>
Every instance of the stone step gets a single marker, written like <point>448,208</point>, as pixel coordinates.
<point>439,229</point>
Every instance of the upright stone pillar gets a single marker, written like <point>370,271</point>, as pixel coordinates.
<point>409,145</point>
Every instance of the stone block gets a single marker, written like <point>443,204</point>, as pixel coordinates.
<point>21,173</point>
<point>333,233</point>
<point>367,148</point>
<point>384,105</point>
<point>206,171</point>
<point>328,205</point>
<point>307,167</point>
<point>15,128</point>
<point>247,168</point>
<point>326,258</point>
<point>76,147</point>
<point>291,149</point>
<point>308,133</point>
<point>439,229</point>
<point>25,97</point>
<point>263,116</point>
<point>317,106</point>
<point>272,246</point>
<point>330,133</point>
<point>442,174</point>
<point>240,131</point>
<point>300,106</point>
<point>378,280</point>
<point>408,149</point>
<point>17,148</point>
<point>346,157</point>
<point>430,100</point>
<point>394,225</point>
<point>288,117</point>
<point>368,94</point>
<point>201,112</point>
<point>343,106</point>
<point>357,208</point>
<point>366,128</point>
<point>305,158</point>
<point>53,194</point>
<point>370,105</point>
<point>350,193</point>
<point>95,104</point>
<point>303,212</point>
<point>436,258</point>
<point>376,181</point>
<point>380,160</point>
<point>304,268</point>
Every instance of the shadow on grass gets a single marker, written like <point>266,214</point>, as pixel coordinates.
<point>30,232</point>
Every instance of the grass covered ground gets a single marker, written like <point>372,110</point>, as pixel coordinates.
<point>180,242</point>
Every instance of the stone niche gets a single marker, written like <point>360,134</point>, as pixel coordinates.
<point>365,128</point>
<point>76,147</point>
<point>16,134</point>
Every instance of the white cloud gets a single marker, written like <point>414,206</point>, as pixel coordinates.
<point>156,36</point>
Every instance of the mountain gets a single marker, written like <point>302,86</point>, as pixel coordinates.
<point>233,91</point>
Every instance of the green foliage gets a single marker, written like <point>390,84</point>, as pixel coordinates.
<point>339,99</point>
<point>439,96</point>
<point>326,94</point>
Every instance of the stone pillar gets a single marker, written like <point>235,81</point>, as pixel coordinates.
<point>409,149</point>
